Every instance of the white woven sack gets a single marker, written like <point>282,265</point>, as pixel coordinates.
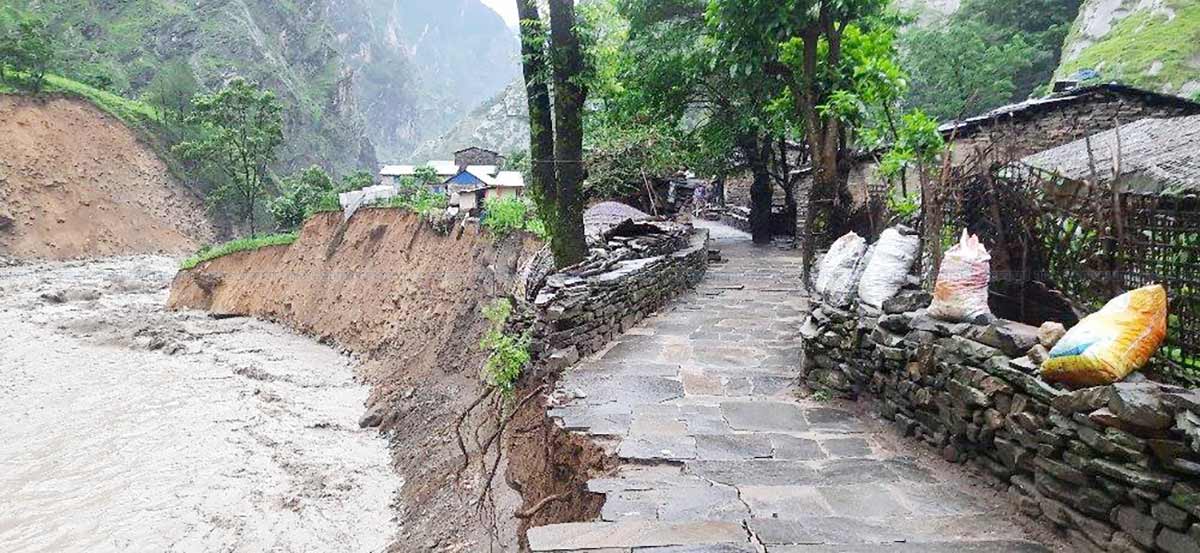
<point>888,267</point>
<point>836,273</point>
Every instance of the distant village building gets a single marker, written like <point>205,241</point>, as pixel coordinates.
<point>477,156</point>
<point>472,178</point>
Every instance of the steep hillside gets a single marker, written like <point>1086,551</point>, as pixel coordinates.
<point>500,124</point>
<point>75,182</point>
<point>422,64</point>
<point>1149,43</point>
<point>408,67</point>
<point>929,11</point>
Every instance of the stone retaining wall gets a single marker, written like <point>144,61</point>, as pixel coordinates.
<point>578,312</point>
<point>1116,467</point>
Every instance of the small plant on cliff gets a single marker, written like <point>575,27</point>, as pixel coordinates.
<point>209,253</point>
<point>508,355</point>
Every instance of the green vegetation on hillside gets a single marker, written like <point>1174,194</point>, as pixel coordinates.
<point>989,53</point>
<point>239,245</point>
<point>124,47</point>
<point>1135,44</point>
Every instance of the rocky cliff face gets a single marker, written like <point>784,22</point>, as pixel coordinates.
<point>929,11</point>
<point>500,124</point>
<point>353,75</point>
<point>1149,43</point>
<point>422,64</point>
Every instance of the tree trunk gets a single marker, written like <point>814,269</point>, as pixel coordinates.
<point>569,244</point>
<point>757,151</point>
<point>541,136</point>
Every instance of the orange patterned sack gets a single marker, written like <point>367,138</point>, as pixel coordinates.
<point>1109,344</point>
<point>961,291</point>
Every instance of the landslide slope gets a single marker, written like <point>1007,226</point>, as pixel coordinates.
<point>76,182</point>
<point>1154,44</point>
<point>388,287</point>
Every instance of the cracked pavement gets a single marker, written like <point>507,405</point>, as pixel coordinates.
<point>718,454</point>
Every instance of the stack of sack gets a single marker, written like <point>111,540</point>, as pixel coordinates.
<point>851,270</point>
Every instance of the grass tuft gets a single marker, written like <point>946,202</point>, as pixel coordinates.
<point>209,253</point>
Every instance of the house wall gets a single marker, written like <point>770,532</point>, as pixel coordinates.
<point>475,156</point>
<point>1040,129</point>
<point>502,192</point>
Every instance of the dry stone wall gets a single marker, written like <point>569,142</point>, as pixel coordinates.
<point>579,311</point>
<point>1115,467</point>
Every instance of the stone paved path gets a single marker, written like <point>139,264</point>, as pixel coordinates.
<point>718,455</point>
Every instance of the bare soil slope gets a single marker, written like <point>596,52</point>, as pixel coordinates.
<point>75,182</point>
<point>390,288</point>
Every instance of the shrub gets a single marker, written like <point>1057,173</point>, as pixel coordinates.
<point>507,215</point>
<point>508,355</point>
<point>417,199</point>
<point>26,49</point>
<point>300,195</point>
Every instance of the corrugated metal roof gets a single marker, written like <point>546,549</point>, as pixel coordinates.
<point>513,179</point>
<point>397,170</point>
<point>1156,156</point>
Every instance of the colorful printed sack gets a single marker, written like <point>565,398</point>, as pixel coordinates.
<point>1109,344</point>
<point>961,292</point>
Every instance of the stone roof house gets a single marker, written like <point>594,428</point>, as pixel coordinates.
<point>1150,156</point>
<point>1014,131</point>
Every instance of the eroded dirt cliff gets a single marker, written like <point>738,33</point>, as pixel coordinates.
<point>409,301</point>
<point>75,182</point>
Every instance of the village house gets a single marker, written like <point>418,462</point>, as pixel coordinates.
<point>472,178</point>
<point>1012,132</point>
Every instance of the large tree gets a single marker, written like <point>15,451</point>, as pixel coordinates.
<point>679,77</point>
<point>240,129</point>
<point>801,42</point>
<point>556,128</point>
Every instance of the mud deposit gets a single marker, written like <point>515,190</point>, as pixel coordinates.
<point>126,427</point>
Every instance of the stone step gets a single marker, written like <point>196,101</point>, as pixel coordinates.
<point>601,536</point>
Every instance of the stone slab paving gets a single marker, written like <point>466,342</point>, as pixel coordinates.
<point>719,455</point>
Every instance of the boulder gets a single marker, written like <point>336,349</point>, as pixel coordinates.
<point>1140,404</point>
<point>1083,399</point>
<point>1050,333</point>
<point>1012,338</point>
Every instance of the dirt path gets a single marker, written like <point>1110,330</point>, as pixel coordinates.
<point>720,455</point>
<point>129,428</point>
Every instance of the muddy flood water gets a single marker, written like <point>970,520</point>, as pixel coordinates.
<point>125,427</point>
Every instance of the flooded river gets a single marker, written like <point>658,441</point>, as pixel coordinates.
<point>124,427</point>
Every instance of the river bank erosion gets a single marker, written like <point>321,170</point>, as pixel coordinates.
<point>129,427</point>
